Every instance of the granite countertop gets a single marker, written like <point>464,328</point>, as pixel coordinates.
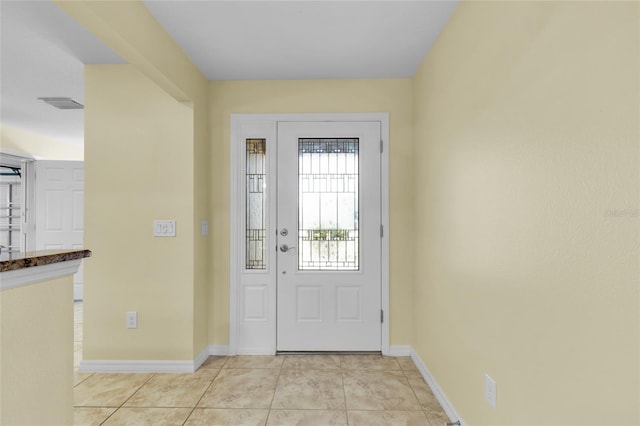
<point>15,261</point>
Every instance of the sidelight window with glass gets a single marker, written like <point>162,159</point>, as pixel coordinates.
<point>255,221</point>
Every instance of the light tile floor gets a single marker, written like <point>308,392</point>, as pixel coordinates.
<point>317,390</point>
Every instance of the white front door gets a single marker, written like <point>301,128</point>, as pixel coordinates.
<point>59,204</point>
<point>328,236</point>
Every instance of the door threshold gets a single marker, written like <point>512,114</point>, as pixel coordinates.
<point>328,352</point>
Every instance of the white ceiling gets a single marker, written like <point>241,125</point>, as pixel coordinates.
<point>42,54</point>
<point>43,50</point>
<point>288,40</point>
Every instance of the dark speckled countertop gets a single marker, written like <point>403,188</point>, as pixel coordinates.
<point>15,261</point>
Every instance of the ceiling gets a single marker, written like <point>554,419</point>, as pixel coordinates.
<point>289,40</point>
<point>43,51</point>
<point>42,54</point>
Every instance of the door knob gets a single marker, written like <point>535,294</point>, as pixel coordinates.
<point>285,248</point>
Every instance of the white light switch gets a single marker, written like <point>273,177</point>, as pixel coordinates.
<point>204,227</point>
<point>164,228</point>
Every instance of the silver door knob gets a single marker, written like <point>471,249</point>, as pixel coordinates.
<point>285,248</point>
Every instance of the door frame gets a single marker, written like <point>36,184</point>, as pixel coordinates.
<point>265,126</point>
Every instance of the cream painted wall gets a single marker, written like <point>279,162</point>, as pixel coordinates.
<point>139,146</point>
<point>527,241</point>
<point>393,96</point>
<point>25,142</point>
<point>523,137</point>
<point>36,372</point>
<point>133,33</point>
<point>201,212</point>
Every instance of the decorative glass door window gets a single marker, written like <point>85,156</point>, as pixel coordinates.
<point>256,223</point>
<point>328,184</point>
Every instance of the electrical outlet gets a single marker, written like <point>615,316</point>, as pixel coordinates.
<point>132,320</point>
<point>490,391</point>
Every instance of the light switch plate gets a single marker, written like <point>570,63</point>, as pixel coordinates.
<point>204,227</point>
<point>164,228</point>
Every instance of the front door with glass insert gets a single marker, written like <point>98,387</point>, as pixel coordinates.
<point>328,236</point>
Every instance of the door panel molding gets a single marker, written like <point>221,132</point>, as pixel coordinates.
<point>59,209</point>
<point>258,335</point>
<point>337,243</point>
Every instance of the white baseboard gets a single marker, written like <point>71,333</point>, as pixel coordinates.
<point>200,359</point>
<point>219,350</point>
<point>257,351</point>
<point>435,388</point>
<point>399,350</point>
<point>154,366</point>
<point>136,366</point>
<point>151,366</point>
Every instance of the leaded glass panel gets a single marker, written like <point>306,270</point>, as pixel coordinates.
<point>256,223</point>
<point>328,184</point>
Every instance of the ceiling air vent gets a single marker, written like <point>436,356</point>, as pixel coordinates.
<point>62,103</point>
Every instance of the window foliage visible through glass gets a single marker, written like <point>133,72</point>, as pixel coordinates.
<point>328,184</point>
<point>255,231</point>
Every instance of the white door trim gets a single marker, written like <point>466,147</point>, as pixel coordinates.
<point>239,125</point>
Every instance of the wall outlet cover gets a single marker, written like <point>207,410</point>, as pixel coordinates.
<point>490,391</point>
<point>132,319</point>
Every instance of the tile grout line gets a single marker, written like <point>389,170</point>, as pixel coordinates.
<point>109,416</point>
<point>407,374</point>
<point>81,381</point>
<point>422,409</point>
<point>125,401</point>
<point>344,391</point>
<point>205,392</point>
<point>274,390</point>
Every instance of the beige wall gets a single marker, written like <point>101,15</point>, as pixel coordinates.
<point>514,200</point>
<point>138,168</point>
<point>36,371</point>
<point>201,212</point>
<point>24,142</point>
<point>393,96</point>
<point>166,123</point>
<point>527,242</point>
